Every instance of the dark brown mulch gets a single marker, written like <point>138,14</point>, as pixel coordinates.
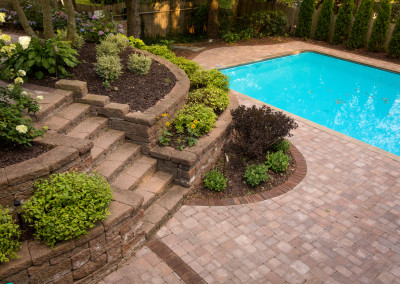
<point>139,92</point>
<point>11,156</point>
<point>234,170</point>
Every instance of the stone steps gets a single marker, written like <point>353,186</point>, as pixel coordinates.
<point>89,128</point>
<point>105,143</point>
<point>51,102</point>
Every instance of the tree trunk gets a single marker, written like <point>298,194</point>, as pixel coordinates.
<point>235,11</point>
<point>74,4</point>
<point>244,7</point>
<point>71,26</point>
<point>212,26</point>
<point>133,18</point>
<point>22,19</point>
<point>47,22</point>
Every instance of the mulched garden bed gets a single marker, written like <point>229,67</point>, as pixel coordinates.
<point>139,92</point>
<point>234,168</point>
<point>11,156</point>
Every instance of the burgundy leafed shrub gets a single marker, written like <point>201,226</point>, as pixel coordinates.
<point>256,130</point>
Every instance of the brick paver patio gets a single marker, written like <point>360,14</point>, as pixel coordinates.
<point>341,224</point>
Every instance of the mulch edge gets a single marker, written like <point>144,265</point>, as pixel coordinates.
<point>292,182</point>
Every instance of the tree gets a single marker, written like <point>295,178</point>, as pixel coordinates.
<point>343,22</point>
<point>359,30</point>
<point>381,27</point>
<point>22,19</point>
<point>305,19</point>
<point>133,18</point>
<point>47,21</point>
<point>71,25</point>
<point>324,21</point>
<point>394,43</point>
<point>212,25</point>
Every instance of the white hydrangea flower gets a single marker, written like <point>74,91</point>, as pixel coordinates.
<point>21,73</point>
<point>10,87</point>
<point>22,128</point>
<point>5,38</point>
<point>24,93</point>
<point>18,80</point>
<point>39,98</point>
<point>2,17</point>
<point>24,41</point>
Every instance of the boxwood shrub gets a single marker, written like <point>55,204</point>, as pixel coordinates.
<point>343,22</point>
<point>9,235</point>
<point>64,206</point>
<point>358,36</point>
<point>381,27</point>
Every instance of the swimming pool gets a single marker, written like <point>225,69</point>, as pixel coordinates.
<point>354,99</point>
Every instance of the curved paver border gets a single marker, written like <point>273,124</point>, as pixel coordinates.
<point>291,183</point>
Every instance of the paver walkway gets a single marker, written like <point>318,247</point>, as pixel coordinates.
<point>341,224</point>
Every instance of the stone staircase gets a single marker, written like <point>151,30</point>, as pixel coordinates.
<point>120,161</point>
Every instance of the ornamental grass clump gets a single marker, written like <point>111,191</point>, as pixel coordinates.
<point>139,64</point>
<point>255,174</point>
<point>66,205</point>
<point>9,236</point>
<point>215,180</point>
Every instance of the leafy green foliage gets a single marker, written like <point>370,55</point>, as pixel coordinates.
<point>213,97</point>
<point>381,27</point>
<point>256,130</point>
<point>107,48</point>
<point>283,145</point>
<point>119,39</point>
<point>277,162</point>
<point>64,206</point>
<point>266,23</point>
<point>139,64</point>
<point>78,42</point>
<point>202,78</point>
<point>394,43</point>
<point>231,37</point>
<point>324,21</point>
<point>15,128</point>
<point>343,22</point>
<point>108,67</point>
<point>136,42</point>
<point>9,235</point>
<point>304,23</point>
<point>215,180</point>
<point>359,30</point>
<point>255,174</point>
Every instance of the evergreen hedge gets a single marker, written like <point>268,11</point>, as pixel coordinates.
<point>358,36</point>
<point>305,19</point>
<point>394,43</point>
<point>343,22</point>
<point>324,21</point>
<point>381,27</point>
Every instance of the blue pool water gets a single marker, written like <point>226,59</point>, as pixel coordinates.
<point>356,100</point>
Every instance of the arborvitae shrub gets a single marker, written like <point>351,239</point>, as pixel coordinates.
<point>305,19</point>
<point>139,64</point>
<point>359,31</point>
<point>324,21</point>
<point>394,43</point>
<point>343,22</point>
<point>381,27</point>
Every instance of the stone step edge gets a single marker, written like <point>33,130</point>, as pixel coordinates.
<point>104,154</point>
<point>102,126</point>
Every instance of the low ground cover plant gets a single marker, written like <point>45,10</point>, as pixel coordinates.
<point>9,235</point>
<point>255,174</point>
<point>215,180</point>
<point>66,205</point>
<point>277,161</point>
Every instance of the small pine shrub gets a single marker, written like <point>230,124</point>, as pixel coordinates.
<point>215,180</point>
<point>343,22</point>
<point>139,64</point>
<point>119,39</point>
<point>277,162</point>
<point>256,130</point>
<point>107,48</point>
<point>108,67</point>
<point>78,41</point>
<point>64,206</point>
<point>381,27</point>
<point>359,31</point>
<point>213,97</point>
<point>255,174</point>
<point>305,19</point>
<point>324,21</point>
<point>394,43</point>
<point>283,145</point>
<point>9,235</point>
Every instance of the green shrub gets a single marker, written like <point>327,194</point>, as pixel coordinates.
<point>381,27</point>
<point>64,206</point>
<point>255,174</point>
<point>197,117</point>
<point>230,37</point>
<point>358,35</point>
<point>283,145</point>
<point>119,39</point>
<point>265,23</point>
<point>324,21</point>
<point>343,22</point>
<point>394,43</point>
<point>9,236</point>
<point>78,41</point>
<point>15,128</point>
<point>215,98</point>
<point>136,42</point>
<point>278,161</point>
<point>186,65</point>
<point>139,64</point>
<point>304,23</point>
<point>160,50</point>
<point>215,180</point>
<point>256,130</point>
<point>202,78</point>
<point>107,48</point>
<point>108,67</point>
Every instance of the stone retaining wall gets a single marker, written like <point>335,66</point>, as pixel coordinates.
<point>84,260</point>
<point>140,127</point>
<point>188,165</point>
